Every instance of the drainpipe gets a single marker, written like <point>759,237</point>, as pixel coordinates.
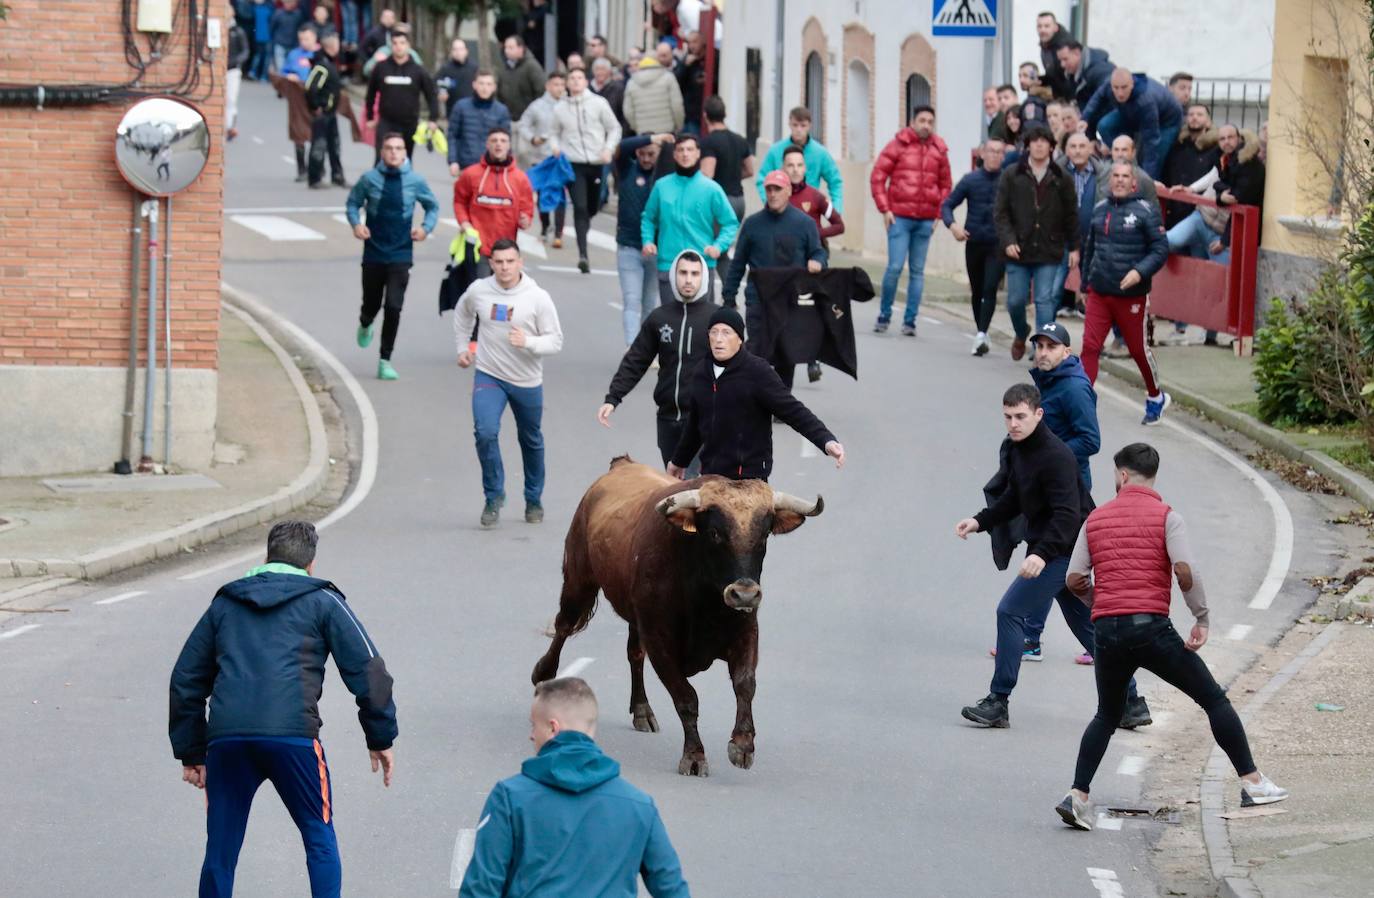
<point>123,466</point>
<point>167,326</point>
<point>781,36</point>
<point>145,462</point>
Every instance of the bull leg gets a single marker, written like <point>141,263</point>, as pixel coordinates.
<point>575,606</point>
<point>743,661</point>
<point>643,715</point>
<point>693,761</point>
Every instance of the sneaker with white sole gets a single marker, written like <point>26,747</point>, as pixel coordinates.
<point>980,344</point>
<point>1076,812</point>
<point>1266,791</point>
<point>1154,409</point>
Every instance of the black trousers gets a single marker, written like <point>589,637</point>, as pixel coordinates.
<point>1129,642</point>
<point>756,324</point>
<point>384,288</point>
<point>324,140</point>
<point>405,129</point>
<point>669,434</point>
<point>559,215</point>
<point>586,196</point>
<point>985,267</point>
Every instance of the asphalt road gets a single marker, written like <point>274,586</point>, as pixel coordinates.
<point>876,625</point>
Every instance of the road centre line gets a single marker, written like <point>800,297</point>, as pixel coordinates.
<point>367,474</point>
<point>1105,881</point>
<point>10,634</point>
<point>576,667</point>
<point>1238,631</point>
<point>1282,556</point>
<point>258,140</point>
<point>287,159</point>
<point>615,305</point>
<point>1131,765</point>
<point>132,594</point>
<point>568,269</point>
<point>928,320</point>
<point>463,846</point>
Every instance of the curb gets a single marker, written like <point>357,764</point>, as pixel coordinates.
<point>1234,879</point>
<point>167,543</point>
<point>1356,485</point>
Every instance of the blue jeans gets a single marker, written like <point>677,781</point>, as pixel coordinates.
<point>257,68</point>
<point>354,15</point>
<point>1192,237</point>
<point>490,396</point>
<point>1026,600</point>
<point>1109,127</point>
<point>1019,278</point>
<point>638,288</point>
<point>296,767</point>
<point>279,54</point>
<point>907,239</point>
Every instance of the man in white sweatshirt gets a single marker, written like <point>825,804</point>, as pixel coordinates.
<point>586,131</point>
<point>519,327</point>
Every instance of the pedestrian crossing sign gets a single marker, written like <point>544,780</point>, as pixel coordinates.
<point>964,18</point>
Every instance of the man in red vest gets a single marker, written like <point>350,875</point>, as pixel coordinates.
<point>1123,567</point>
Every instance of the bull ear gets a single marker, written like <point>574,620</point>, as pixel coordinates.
<point>681,509</point>
<point>789,512</point>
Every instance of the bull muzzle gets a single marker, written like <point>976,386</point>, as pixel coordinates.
<point>744,595</point>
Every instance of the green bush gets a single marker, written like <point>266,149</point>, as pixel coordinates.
<point>1287,348</point>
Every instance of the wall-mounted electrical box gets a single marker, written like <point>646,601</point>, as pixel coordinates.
<point>155,15</point>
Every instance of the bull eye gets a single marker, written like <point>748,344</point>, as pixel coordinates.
<point>716,536</point>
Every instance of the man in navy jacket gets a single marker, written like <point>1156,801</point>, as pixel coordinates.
<point>1141,107</point>
<point>979,234</point>
<point>258,656</point>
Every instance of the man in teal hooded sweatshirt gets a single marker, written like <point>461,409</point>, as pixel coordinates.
<point>568,824</point>
<point>686,210</point>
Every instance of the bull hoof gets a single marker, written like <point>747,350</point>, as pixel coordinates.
<point>644,720</point>
<point>690,766</point>
<point>743,758</point>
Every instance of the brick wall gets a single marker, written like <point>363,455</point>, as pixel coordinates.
<point>65,212</point>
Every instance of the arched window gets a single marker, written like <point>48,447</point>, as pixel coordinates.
<point>815,94</point>
<point>858,142</point>
<point>917,94</point>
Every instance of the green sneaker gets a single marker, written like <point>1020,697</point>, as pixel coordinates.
<point>385,371</point>
<point>491,513</point>
<point>365,335</point>
<point>534,513</point>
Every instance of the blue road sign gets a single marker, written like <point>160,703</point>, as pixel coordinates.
<point>964,18</point>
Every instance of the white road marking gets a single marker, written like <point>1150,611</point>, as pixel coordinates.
<point>599,239</point>
<point>615,305</point>
<point>463,847</point>
<point>1105,881</point>
<point>10,634</point>
<point>367,474</point>
<point>276,228</point>
<point>575,668</point>
<point>1282,556</point>
<point>280,210</point>
<point>1161,719</point>
<point>287,159</point>
<point>568,269</point>
<point>1238,631</point>
<point>340,218</point>
<point>928,320</point>
<point>1106,821</point>
<point>1131,765</point>
<point>808,450</point>
<point>122,596</point>
<point>258,140</point>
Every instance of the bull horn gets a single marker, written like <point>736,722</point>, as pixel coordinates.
<point>684,499</point>
<point>788,502</point>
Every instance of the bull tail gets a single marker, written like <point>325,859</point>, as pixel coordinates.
<point>577,603</point>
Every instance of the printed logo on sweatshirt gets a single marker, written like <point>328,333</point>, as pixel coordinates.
<point>398,79</point>
<point>665,334</point>
<point>484,200</point>
<point>502,312</point>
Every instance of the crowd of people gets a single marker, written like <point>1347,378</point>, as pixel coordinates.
<point>1065,186</point>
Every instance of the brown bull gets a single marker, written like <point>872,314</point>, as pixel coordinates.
<point>681,563</point>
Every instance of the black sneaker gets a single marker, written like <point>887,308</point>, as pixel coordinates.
<point>989,712</point>
<point>813,371</point>
<point>534,513</point>
<point>491,514</point>
<point>1137,714</point>
<point>584,266</point>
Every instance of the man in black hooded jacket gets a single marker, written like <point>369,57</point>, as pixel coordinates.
<point>734,397</point>
<point>675,335</point>
<point>258,655</point>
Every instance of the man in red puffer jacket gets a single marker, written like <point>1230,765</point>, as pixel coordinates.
<point>910,180</point>
<point>493,195</point>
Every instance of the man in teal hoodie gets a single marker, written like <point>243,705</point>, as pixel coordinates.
<point>686,210</point>
<point>568,824</point>
<point>820,165</point>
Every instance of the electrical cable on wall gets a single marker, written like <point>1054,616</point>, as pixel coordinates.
<point>188,31</point>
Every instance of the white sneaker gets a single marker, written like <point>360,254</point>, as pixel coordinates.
<point>1263,792</point>
<point>1075,812</point>
<point>980,343</point>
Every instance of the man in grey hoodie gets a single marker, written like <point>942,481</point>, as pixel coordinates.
<point>675,336</point>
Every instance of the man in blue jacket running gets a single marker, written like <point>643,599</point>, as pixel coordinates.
<point>568,824</point>
<point>258,656</point>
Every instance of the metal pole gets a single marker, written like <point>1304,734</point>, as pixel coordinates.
<point>126,445</point>
<point>708,33</point>
<point>1004,20</point>
<point>167,327</point>
<point>778,58</point>
<point>551,38</point>
<point>145,463</point>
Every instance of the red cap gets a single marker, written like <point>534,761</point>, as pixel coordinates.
<point>777,179</point>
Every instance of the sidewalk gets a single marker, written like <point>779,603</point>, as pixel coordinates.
<point>1212,381</point>
<point>271,456</point>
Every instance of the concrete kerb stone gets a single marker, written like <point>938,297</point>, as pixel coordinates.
<point>1356,486</point>
<point>302,490</point>
<point>1233,879</point>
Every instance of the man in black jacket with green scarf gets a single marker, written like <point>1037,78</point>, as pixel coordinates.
<point>734,397</point>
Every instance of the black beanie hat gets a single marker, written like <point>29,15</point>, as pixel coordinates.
<point>727,315</point>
